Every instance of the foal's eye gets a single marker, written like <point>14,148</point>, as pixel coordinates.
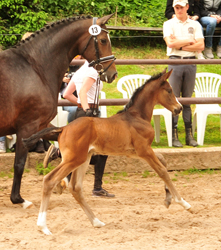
<point>169,91</point>
<point>103,41</point>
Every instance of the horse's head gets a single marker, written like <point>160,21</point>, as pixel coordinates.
<point>96,48</point>
<point>166,96</point>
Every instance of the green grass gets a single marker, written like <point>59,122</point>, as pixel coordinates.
<point>6,174</point>
<point>10,173</point>
<point>212,134</point>
<point>43,171</point>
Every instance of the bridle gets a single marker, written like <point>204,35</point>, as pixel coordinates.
<point>97,63</point>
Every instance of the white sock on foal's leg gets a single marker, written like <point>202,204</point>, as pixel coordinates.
<point>183,203</point>
<point>42,223</point>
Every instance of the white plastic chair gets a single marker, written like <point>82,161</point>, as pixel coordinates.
<point>127,84</point>
<point>206,85</point>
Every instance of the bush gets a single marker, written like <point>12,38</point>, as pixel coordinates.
<point>20,16</point>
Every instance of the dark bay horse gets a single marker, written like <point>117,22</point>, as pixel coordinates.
<point>127,133</point>
<point>31,76</point>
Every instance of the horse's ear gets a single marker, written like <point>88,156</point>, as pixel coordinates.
<point>104,19</point>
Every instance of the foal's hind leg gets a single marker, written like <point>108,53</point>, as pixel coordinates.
<point>50,180</point>
<point>168,198</point>
<point>75,187</point>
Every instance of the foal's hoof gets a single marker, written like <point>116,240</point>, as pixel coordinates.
<point>98,223</point>
<point>61,186</point>
<point>191,210</point>
<point>167,203</point>
<point>45,230</point>
<point>26,204</point>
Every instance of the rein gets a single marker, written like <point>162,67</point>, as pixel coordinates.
<point>96,97</point>
<point>97,64</point>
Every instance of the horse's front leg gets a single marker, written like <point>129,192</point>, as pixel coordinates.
<point>75,187</point>
<point>19,164</point>
<point>159,168</point>
<point>168,198</point>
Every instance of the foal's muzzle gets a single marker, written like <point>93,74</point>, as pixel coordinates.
<point>177,110</point>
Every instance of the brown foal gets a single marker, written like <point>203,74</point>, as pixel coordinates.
<point>129,133</point>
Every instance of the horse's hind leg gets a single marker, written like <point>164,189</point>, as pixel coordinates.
<point>75,187</point>
<point>168,198</point>
<point>50,180</point>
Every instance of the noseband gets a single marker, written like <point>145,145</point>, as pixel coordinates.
<point>97,64</point>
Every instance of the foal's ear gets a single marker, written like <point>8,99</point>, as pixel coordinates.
<point>104,19</point>
<point>164,71</point>
<point>167,75</point>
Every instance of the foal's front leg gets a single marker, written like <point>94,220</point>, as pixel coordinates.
<point>75,187</point>
<point>151,158</point>
<point>168,198</point>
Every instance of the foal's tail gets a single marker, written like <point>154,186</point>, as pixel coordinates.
<point>51,133</point>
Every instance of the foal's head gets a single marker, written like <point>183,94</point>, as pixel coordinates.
<point>165,95</point>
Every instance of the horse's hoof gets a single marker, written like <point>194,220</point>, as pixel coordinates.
<point>98,223</point>
<point>27,204</point>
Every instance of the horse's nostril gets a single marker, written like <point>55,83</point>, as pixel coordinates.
<point>114,77</point>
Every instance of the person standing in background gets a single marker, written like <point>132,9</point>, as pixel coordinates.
<point>67,77</point>
<point>183,38</point>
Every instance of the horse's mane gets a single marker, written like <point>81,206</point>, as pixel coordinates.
<point>138,90</point>
<point>51,25</point>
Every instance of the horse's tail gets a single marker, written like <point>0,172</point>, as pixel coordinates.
<point>47,133</point>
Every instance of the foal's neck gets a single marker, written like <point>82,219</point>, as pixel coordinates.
<point>145,102</point>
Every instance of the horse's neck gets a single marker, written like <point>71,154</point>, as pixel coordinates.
<point>50,51</point>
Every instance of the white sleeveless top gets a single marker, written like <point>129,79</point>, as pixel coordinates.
<point>79,76</point>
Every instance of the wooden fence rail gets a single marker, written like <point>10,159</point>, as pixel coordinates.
<point>149,29</point>
<point>119,102</point>
<point>157,61</point>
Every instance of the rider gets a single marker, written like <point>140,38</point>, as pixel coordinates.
<point>85,82</point>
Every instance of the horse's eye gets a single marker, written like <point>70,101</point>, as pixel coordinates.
<point>103,41</point>
<point>169,91</point>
